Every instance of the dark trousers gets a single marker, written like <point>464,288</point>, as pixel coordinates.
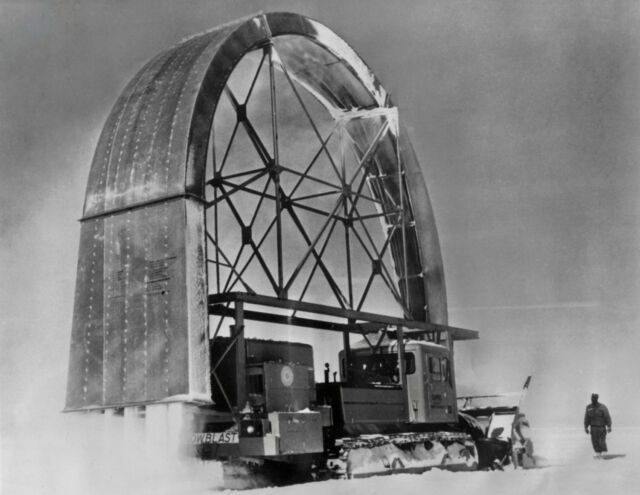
<point>598,438</point>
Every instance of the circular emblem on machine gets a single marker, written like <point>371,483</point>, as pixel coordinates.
<point>286,376</point>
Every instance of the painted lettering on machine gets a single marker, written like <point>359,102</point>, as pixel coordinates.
<point>212,438</point>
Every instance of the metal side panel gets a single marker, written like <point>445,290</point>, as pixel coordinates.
<point>84,385</point>
<point>430,255</point>
<point>150,144</point>
<point>143,147</point>
<point>147,329</point>
<point>197,307</point>
<point>369,405</point>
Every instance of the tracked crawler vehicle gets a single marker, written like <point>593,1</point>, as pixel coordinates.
<point>368,418</point>
<point>254,208</point>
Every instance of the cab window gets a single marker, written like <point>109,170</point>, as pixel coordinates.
<point>446,370</point>
<point>439,369</point>
<point>378,370</point>
<point>435,368</point>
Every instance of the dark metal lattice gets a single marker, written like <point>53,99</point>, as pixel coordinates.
<point>339,200</point>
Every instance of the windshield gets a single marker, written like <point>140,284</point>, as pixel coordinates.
<point>378,370</point>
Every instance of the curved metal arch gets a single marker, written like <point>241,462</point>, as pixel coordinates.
<point>141,303</point>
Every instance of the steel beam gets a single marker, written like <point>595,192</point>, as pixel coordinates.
<point>418,328</point>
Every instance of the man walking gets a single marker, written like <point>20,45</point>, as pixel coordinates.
<point>597,418</point>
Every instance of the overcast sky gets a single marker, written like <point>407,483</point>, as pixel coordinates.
<point>524,115</point>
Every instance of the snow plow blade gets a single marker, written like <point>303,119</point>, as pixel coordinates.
<point>499,420</point>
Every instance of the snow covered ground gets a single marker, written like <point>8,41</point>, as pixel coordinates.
<point>61,458</point>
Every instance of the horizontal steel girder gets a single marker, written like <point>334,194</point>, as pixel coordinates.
<point>361,322</point>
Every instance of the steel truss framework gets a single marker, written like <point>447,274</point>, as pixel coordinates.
<point>337,204</point>
<point>324,208</point>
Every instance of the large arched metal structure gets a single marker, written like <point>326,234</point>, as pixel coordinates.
<point>181,221</point>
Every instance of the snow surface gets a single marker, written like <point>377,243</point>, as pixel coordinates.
<point>77,455</point>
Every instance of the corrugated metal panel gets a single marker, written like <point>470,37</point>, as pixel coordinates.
<point>196,307</point>
<point>142,151</point>
<point>144,304</point>
<point>84,387</point>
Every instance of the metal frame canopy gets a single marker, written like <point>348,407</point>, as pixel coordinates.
<point>262,156</point>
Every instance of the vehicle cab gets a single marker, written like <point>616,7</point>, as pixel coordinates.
<point>428,376</point>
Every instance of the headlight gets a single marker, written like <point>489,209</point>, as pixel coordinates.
<point>252,428</point>
<point>286,376</point>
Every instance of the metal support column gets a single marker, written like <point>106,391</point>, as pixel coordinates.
<point>241,356</point>
<point>346,344</point>
<point>275,170</point>
<point>402,370</point>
